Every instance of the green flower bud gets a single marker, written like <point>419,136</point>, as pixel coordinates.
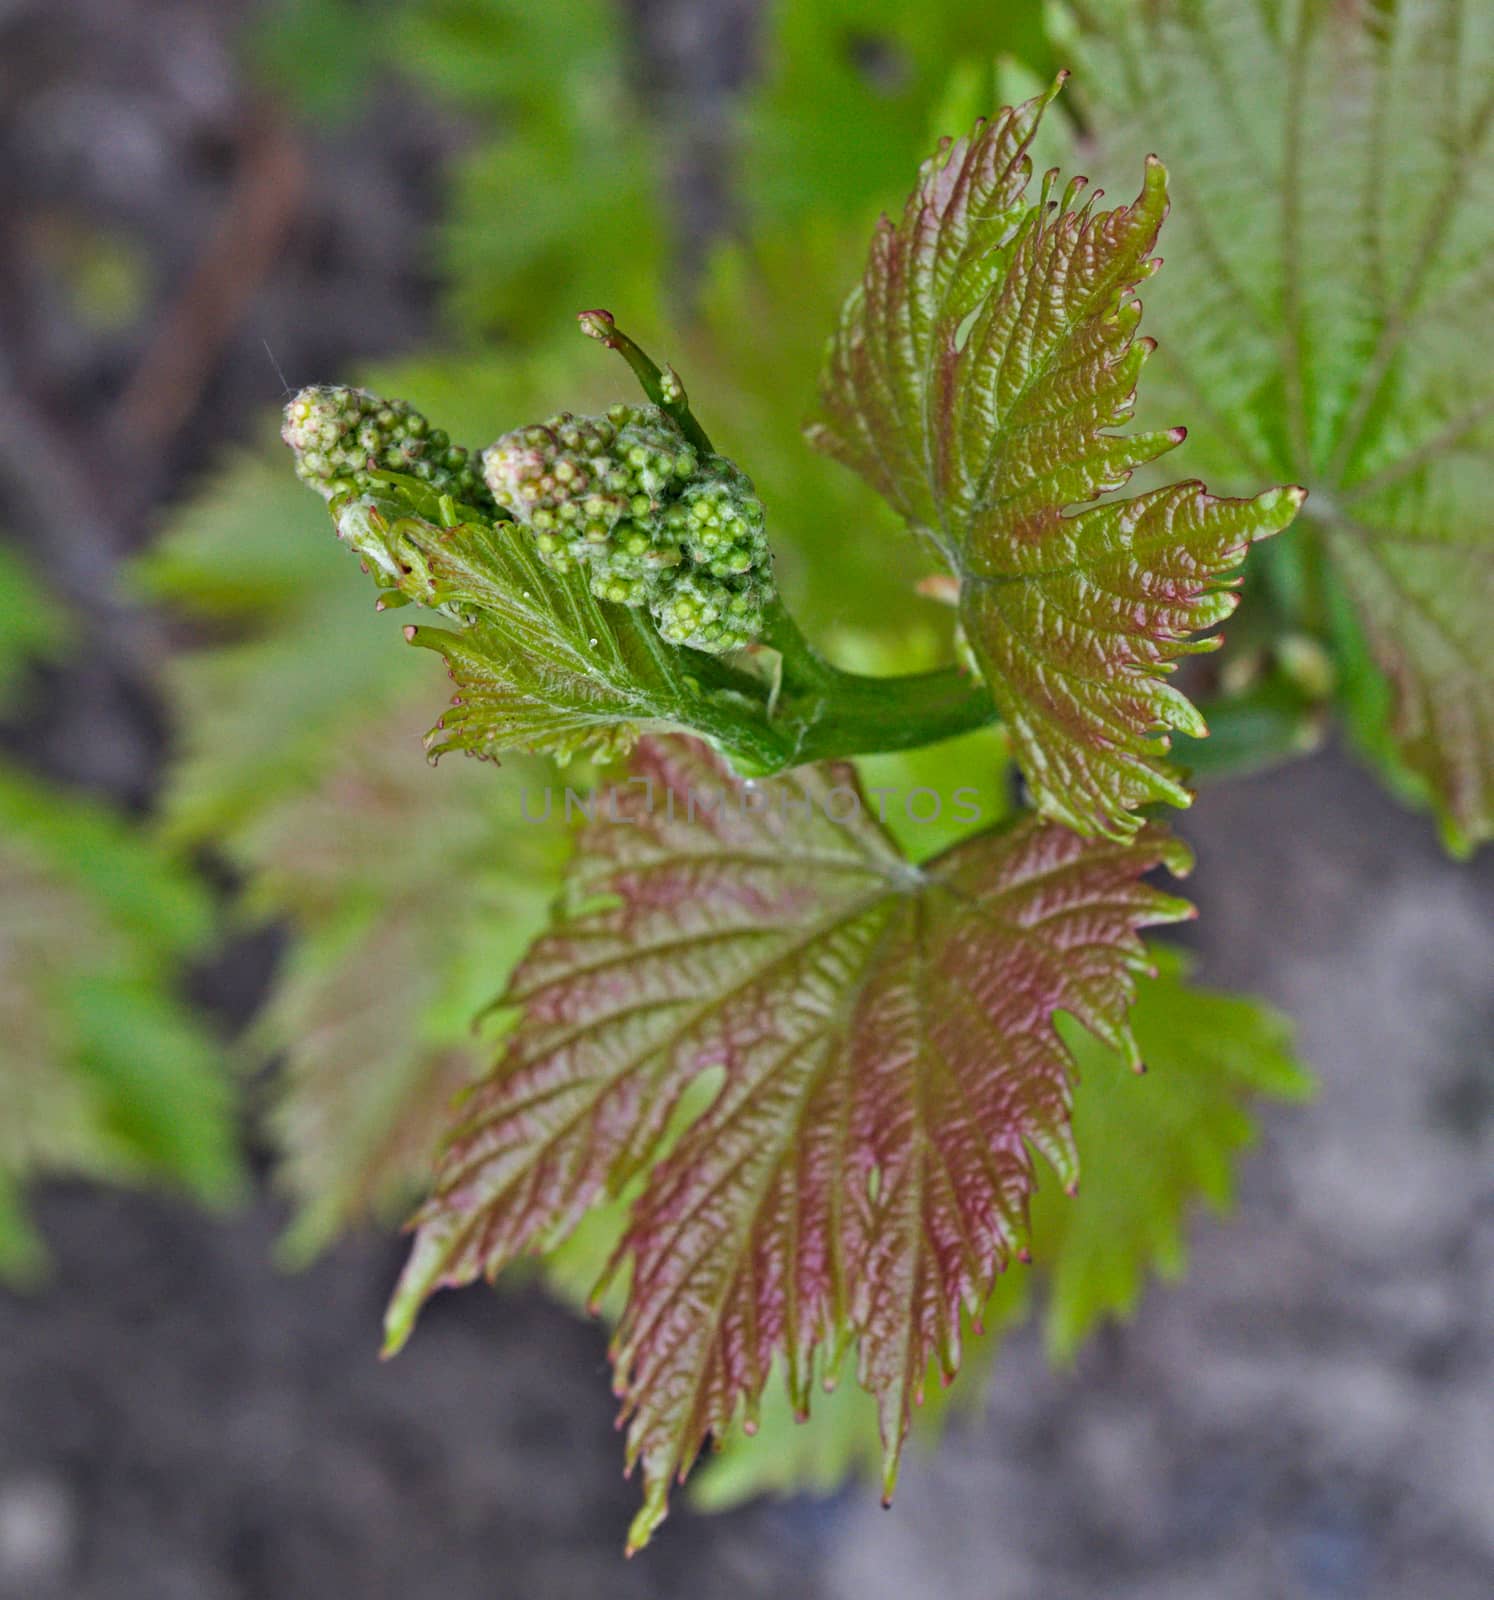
<point>584,473</point>
<point>723,528</point>
<point>654,523</point>
<point>340,435</point>
<point>624,591</point>
<point>711,614</point>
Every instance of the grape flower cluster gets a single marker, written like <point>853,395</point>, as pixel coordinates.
<point>650,519</point>
<point>339,435</point>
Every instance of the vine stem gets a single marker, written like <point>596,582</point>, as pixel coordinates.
<point>662,385</point>
<point>834,714</point>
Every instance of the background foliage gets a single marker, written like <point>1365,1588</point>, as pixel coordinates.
<point>105,1070</point>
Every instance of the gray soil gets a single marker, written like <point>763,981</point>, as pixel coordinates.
<point>1310,1413</point>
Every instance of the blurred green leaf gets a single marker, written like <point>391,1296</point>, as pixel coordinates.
<point>295,655</point>
<point>557,205</point>
<point>855,93</point>
<point>753,360</point>
<point>104,1070</point>
<point>411,894</point>
<point>164,912</point>
<point>240,545</point>
<point>158,1074</point>
<point>1331,329</point>
<point>32,624</point>
<point>1273,721</point>
<point>323,55</point>
<point>23,1257</point>
<point>1153,1146</point>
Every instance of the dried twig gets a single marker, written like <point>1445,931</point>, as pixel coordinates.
<point>179,360</point>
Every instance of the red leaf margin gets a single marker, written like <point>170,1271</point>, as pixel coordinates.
<point>975,378</point>
<point>890,1063</point>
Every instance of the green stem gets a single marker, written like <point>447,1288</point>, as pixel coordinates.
<point>732,713</point>
<point>834,714</point>
<point>803,665</point>
<point>858,716</point>
<point>661,384</point>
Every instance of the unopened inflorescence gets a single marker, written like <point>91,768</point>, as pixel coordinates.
<point>340,436</point>
<point>652,520</point>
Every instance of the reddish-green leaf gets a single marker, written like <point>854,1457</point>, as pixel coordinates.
<point>1325,315</point>
<point>974,378</point>
<point>1152,1147</point>
<point>886,1037</point>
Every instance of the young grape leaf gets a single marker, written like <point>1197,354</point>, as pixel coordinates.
<point>1325,316</point>
<point>538,661</point>
<point>976,369</point>
<point>886,1036</point>
<point>1151,1147</point>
